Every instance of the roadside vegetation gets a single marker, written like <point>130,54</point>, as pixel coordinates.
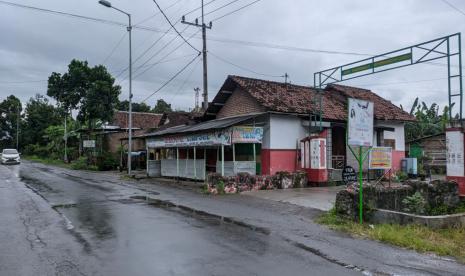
<point>443,242</point>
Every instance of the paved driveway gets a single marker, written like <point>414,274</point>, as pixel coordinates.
<point>321,198</point>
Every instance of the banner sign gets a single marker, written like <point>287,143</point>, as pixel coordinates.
<point>88,143</point>
<point>247,134</point>
<point>377,64</point>
<point>380,158</point>
<point>318,153</point>
<point>190,140</point>
<point>455,152</point>
<point>360,123</point>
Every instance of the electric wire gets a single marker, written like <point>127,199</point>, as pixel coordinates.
<point>453,7</point>
<point>156,63</point>
<point>198,8</point>
<point>244,68</point>
<point>236,10</point>
<point>157,13</point>
<point>221,7</point>
<point>172,51</point>
<point>14,82</point>
<point>172,78</point>
<point>174,28</point>
<point>185,80</point>
<point>114,49</point>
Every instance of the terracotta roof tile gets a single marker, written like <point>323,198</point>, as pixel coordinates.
<point>141,120</point>
<point>291,98</point>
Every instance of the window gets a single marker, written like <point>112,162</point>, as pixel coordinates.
<point>390,143</point>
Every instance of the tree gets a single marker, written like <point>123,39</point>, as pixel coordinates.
<point>39,114</point>
<point>136,107</point>
<point>162,107</point>
<point>90,90</point>
<point>428,121</point>
<point>10,115</point>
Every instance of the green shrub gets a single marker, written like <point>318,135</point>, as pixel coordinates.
<point>401,176</point>
<point>82,164</point>
<point>106,161</point>
<point>220,187</point>
<point>415,204</point>
<point>37,150</point>
<point>439,210</point>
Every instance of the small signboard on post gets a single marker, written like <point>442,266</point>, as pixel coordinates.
<point>88,143</point>
<point>380,158</point>
<point>360,133</point>
<point>360,128</point>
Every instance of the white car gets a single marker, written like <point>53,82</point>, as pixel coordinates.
<point>10,156</point>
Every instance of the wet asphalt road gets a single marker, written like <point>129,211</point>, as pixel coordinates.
<point>54,223</point>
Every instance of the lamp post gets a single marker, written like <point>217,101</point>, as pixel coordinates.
<point>129,28</point>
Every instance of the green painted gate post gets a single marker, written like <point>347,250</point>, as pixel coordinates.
<point>360,181</point>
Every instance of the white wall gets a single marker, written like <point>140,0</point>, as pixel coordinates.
<point>398,134</point>
<point>285,130</point>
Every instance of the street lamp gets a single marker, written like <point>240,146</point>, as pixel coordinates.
<point>129,28</point>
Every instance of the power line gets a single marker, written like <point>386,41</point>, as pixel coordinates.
<point>198,8</point>
<point>172,78</point>
<point>13,82</point>
<point>236,10</point>
<point>152,64</point>
<point>172,26</point>
<point>114,48</point>
<point>110,22</point>
<point>218,39</point>
<point>185,80</point>
<point>242,67</point>
<point>164,47</point>
<point>223,6</point>
<point>157,13</point>
<point>452,6</point>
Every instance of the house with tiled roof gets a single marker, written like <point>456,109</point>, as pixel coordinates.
<point>117,129</point>
<point>264,124</point>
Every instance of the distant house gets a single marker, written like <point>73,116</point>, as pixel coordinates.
<point>432,149</point>
<point>117,129</point>
<point>257,126</point>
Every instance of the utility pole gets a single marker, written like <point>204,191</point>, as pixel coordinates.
<point>65,137</point>
<point>197,90</point>
<point>17,127</point>
<point>286,76</point>
<point>204,53</point>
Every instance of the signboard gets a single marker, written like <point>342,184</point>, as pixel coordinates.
<point>318,153</point>
<point>302,155</point>
<point>88,143</point>
<point>454,145</point>
<point>307,154</point>
<point>360,123</point>
<point>349,175</point>
<point>190,140</point>
<point>377,64</point>
<point>380,158</point>
<point>247,134</point>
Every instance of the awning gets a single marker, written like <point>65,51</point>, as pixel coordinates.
<point>211,133</point>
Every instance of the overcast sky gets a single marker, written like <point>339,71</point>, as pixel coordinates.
<point>34,44</point>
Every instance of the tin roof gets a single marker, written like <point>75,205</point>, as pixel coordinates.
<point>208,125</point>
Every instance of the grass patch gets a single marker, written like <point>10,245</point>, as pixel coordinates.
<point>443,242</point>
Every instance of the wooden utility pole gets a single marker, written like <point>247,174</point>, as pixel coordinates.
<point>204,53</point>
